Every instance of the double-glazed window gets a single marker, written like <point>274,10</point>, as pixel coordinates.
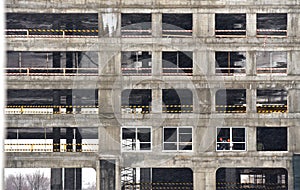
<point>177,62</point>
<point>271,62</point>
<point>230,25</point>
<point>231,138</point>
<point>136,62</point>
<point>230,63</point>
<point>271,24</point>
<point>178,138</point>
<point>136,139</point>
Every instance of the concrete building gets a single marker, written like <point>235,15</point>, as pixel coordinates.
<point>153,94</point>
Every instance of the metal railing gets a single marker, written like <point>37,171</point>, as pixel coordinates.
<point>51,71</point>
<point>230,71</point>
<point>230,33</point>
<point>51,33</point>
<point>271,108</point>
<point>270,70</point>
<point>178,71</point>
<point>50,109</point>
<point>177,33</point>
<point>271,33</point>
<point>48,147</point>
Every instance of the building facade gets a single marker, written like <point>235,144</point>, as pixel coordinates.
<point>152,94</point>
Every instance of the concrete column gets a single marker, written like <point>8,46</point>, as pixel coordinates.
<point>205,24</point>
<point>251,24</point>
<point>293,101</point>
<point>156,100</point>
<point>199,180</point>
<point>69,179</point>
<point>294,63</point>
<point>109,24</point>
<point>203,62</point>
<point>156,63</point>
<point>156,25</point>
<point>78,178</point>
<point>251,100</point>
<point>107,174</point>
<point>251,139</point>
<point>157,136</point>
<point>98,175</point>
<point>109,62</point>
<point>56,178</point>
<point>250,63</point>
<point>213,99</point>
<point>202,101</point>
<point>292,25</point>
<point>105,101</point>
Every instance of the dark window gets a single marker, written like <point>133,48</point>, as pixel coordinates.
<point>230,25</point>
<point>136,100</point>
<point>53,24</point>
<point>135,24</point>
<point>271,24</point>
<point>136,62</point>
<point>178,139</point>
<point>271,62</point>
<point>177,25</point>
<point>177,63</point>
<point>252,178</point>
<point>177,101</point>
<point>271,138</point>
<point>231,100</point>
<point>230,63</point>
<point>136,139</point>
<point>52,63</point>
<point>269,101</point>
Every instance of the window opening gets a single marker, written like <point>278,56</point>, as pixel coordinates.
<point>178,139</point>
<point>136,63</point>
<point>230,25</point>
<point>231,139</point>
<point>136,25</point>
<point>136,139</point>
<point>270,62</point>
<point>271,139</point>
<point>230,63</point>
<point>271,24</point>
<point>270,101</point>
<point>177,25</point>
<point>177,63</point>
<point>231,101</point>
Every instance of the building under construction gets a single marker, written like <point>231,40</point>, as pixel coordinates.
<point>153,94</point>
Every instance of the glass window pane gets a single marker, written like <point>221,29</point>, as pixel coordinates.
<point>238,134</point>
<point>170,146</point>
<point>128,133</point>
<point>145,146</point>
<point>144,134</point>
<point>170,134</point>
<point>223,134</point>
<point>223,146</point>
<point>185,130</point>
<point>185,147</point>
<point>185,137</point>
<point>239,146</point>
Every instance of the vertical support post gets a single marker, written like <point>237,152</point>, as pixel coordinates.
<point>69,179</point>
<point>56,178</point>
<point>78,177</point>
<point>251,24</point>
<point>69,138</point>
<point>56,139</point>
<point>78,141</point>
<point>156,25</point>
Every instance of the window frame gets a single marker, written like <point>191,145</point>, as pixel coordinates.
<point>231,143</point>
<point>178,139</point>
<point>136,138</point>
<point>218,68</point>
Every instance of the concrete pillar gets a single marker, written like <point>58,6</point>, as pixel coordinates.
<point>213,99</point>
<point>156,25</point>
<point>97,175</point>
<point>203,62</point>
<point>199,180</point>
<point>204,25</point>
<point>251,100</point>
<point>202,100</point>
<point>293,101</point>
<point>156,63</point>
<point>109,24</point>
<point>294,63</point>
<point>251,139</point>
<point>69,179</point>
<point>250,63</point>
<point>56,178</point>
<point>105,101</point>
<point>157,136</point>
<point>109,62</point>
<point>107,174</point>
<point>156,100</point>
<point>292,25</point>
<point>56,139</point>
<point>78,178</point>
<point>251,24</point>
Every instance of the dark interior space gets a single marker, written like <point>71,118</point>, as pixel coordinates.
<point>177,100</point>
<point>266,22</point>
<point>229,63</point>
<point>177,139</point>
<point>271,100</point>
<point>231,100</point>
<point>271,138</point>
<point>136,62</point>
<point>179,25</point>
<point>139,138</point>
<point>230,24</point>
<point>177,62</point>
<point>271,62</point>
<point>231,139</point>
<point>136,24</point>
<point>137,98</point>
<point>252,178</point>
